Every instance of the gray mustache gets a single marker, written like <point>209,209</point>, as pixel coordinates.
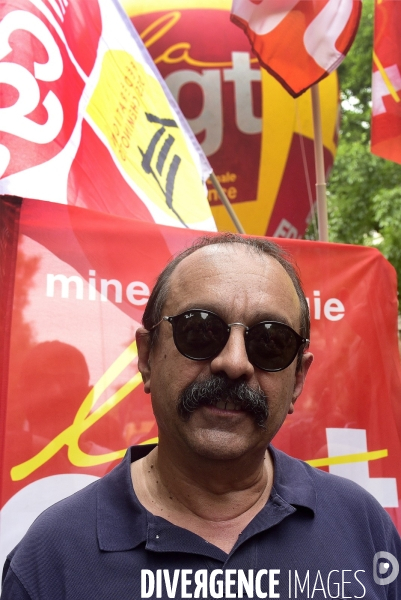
<point>220,388</point>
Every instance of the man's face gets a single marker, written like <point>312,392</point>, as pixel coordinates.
<point>240,286</point>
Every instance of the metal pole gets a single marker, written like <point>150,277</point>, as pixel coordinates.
<point>226,202</point>
<point>321,197</point>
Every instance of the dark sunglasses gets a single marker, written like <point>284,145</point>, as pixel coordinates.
<point>201,335</point>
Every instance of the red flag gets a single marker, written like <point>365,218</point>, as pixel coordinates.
<point>386,81</point>
<point>299,42</point>
<point>86,119</point>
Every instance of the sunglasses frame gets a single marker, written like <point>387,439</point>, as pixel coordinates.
<point>301,341</point>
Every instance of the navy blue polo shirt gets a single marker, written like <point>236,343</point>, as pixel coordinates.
<point>316,537</point>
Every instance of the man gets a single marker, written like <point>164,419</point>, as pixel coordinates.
<point>214,511</point>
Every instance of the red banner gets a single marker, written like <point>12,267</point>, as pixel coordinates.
<point>386,81</point>
<point>74,285</point>
<point>298,41</point>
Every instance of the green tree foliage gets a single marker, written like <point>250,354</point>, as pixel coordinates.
<point>364,191</point>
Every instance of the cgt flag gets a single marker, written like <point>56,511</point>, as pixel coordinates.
<point>86,119</point>
<point>298,41</point>
<point>231,102</point>
<point>386,81</point>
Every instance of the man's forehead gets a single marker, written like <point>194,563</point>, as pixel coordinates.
<point>216,255</point>
<point>222,260</point>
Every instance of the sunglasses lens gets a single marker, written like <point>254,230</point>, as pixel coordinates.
<point>200,335</point>
<point>272,346</point>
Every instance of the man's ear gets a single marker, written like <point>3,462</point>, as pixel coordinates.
<point>300,376</point>
<point>143,344</point>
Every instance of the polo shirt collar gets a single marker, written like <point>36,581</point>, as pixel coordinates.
<point>293,480</point>
<point>123,523</point>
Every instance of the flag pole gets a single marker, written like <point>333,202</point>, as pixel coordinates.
<point>321,197</point>
<point>226,203</point>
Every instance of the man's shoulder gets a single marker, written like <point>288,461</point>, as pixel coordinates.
<point>333,495</point>
<point>63,520</point>
<point>77,513</point>
<point>58,532</point>
<point>71,543</point>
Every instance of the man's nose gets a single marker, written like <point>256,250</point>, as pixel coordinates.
<point>233,359</point>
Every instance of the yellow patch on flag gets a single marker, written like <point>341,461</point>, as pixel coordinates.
<point>130,108</point>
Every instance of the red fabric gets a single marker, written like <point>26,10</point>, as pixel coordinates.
<point>60,347</point>
<point>98,184</point>
<point>9,223</point>
<point>299,43</point>
<point>292,209</point>
<point>33,40</point>
<point>79,103</point>
<point>386,81</point>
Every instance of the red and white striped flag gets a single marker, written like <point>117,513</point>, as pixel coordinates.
<point>386,81</point>
<point>298,42</point>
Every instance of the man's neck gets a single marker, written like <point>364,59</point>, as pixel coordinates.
<point>214,499</point>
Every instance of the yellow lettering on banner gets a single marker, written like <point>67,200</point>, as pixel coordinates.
<point>347,458</point>
<point>154,440</point>
<point>130,108</point>
<point>140,7</point>
<point>167,22</point>
<point>84,419</point>
<point>168,58</point>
